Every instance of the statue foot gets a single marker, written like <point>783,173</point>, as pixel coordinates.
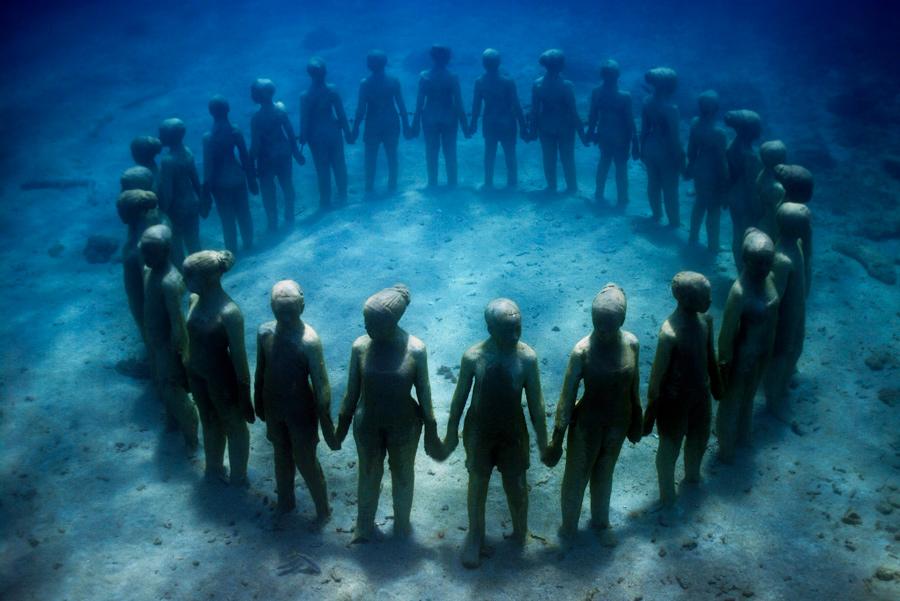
<point>216,474</point>
<point>471,553</point>
<point>402,530</point>
<point>322,518</point>
<point>367,535</point>
<point>517,537</point>
<point>608,539</point>
<point>239,482</point>
<point>566,534</point>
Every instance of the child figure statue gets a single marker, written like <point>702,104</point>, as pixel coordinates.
<point>684,373</point>
<point>381,106</point>
<point>611,126</point>
<point>743,169</point>
<point>502,113</point>
<point>745,342</point>
<point>322,119</point>
<point>661,148</point>
<point>497,371</point>
<point>272,144</point>
<point>165,332</point>
<point>798,187</point>
<point>708,167</point>
<point>180,191</point>
<point>144,150</point>
<point>293,397</point>
<point>607,363</point>
<point>769,192</point>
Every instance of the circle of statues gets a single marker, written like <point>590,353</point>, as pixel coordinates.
<point>199,362</point>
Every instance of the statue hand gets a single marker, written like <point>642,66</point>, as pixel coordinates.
<point>340,433</point>
<point>245,404</point>
<point>451,440</point>
<point>552,454</point>
<point>253,185</point>
<point>634,432</point>
<point>298,156</point>
<point>635,152</point>
<point>433,446</point>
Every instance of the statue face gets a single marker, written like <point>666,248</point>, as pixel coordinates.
<point>379,325</point>
<point>286,308</point>
<point>506,329</point>
<point>154,255</point>
<point>607,323</point>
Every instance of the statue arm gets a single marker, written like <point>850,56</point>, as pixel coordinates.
<point>476,107</point>
<point>420,104</point>
<point>244,157</point>
<point>304,119</point>
<point>712,365</point>
<point>517,105</point>
<point>565,407</point>
<point>234,328</point>
<point>259,403</point>
<point>536,408</point>
<point>593,115</point>
<point>207,165</point>
<point>339,111</point>
<point>460,107</point>
<point>401,105</point>
<point>657,374</point>
<point>318,376</point>
<point>361,107</point>
<point>351,396</point>
<point>731,321</point>
<point>458,403</point>
<point>173,295</point>
<point>632,129</point>
<point>634,428</point>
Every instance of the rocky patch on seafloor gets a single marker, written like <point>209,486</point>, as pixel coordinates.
<point>876,265</point>
<point>100,248</point>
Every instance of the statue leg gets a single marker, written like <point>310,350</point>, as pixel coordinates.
<point>432,148</point>
<point>286,181</point>
<point>670,195</point>
<point>512,164</point>
<point>775,383</point>
<point>238,446</point>
<point>621,181</point>
<point>267,192</point>
<point>323,172</point>
<point>698,211</point>
<point>242,214</point>
<point>575,479</point>
<point>390,151</point>
<point>738,226</point>
<point>549,153</point>
<point>477,497</point>
<point>134,289</point>
<point>304,447</point>
<point>339,166</point>
<point>602,173</point>
<point>278,434</point>
<point>516,488</point>
<point>602,476</point>
<point>490,158</point>
<point>371,157</point>
<point>179,407</point>
<point>370,452</point>
<point>745,410</point>
<point>448,145</point>
<point>227,214</point>
<point>402,461</point>
<point>697,439</point>
<point>567,158</point>
<point>213,430</point>
<point>666,456</point>
<point>654,190</point>
<point>191,233</point>
<point>713,217</point>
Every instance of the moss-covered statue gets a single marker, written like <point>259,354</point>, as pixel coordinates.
<point>440,114</point>
<point>554,120</point>
<point>381,106</point>
<point>137,208</point>
<point>165,332</point>
<point>743,169</point>
<point>789,273</point>
<point>683,375</point>
<point>293,397</point>
<point>798,187</point>
<point>496,372</point>
<point>502,114</point>
<point>322,120</point>
<point>707,165</point>
<point>660,142</point>
<point>179,190</point>
<point>226,178</point>
<point>769,192</point>
<point>272,144</point>
<point>144,150</point>
<point>611,127</point>
<point>745,342</point>
<point>606,362</point>
<point>217,365</point>
<point>385,365</point>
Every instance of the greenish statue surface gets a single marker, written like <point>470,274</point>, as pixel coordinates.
<point>502,116</point>
<point>707,165</point>
<point>179,190</point>
<point>789,274</point>
<point>798,187</point>
<point>272,144</point>
<point>385,365</point>
<point>497,371</point>
<point>660,144</point>
<point>293,397</point>
<point>217,365</point>
<point>228,172</point>
<point>769,192</point>
<point>165,332</point>
<point>606,363</point>
<point>381,106</point>
<point>322,121</point>
<point>743,168</point>
<point>683,375</point>
<point>144,150</point>
<point>745,342</point>
<point>611,127</point>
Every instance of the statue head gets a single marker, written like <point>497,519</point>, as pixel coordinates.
<point>262,90</point>
<point>608,310</point>
<point>708,103</point>
<point>692,291</point>
<point>204,269</point>
<point>772,153</point>
<point>287,301</point>
<point>218,107</point>
<point>490,59</point>
<point>663,80</point>
<point>793,220</point>
<point>144,149</point>
<point>553,60</point>
<point>746,124</point>
<point>504,322</point>
<point>132,205</point>
<point>136,178</point>
<point>154,246</point>
<point>171,132</point>
<point>797,182</point>
<point>757,253</point>
<point>382,311</point>
<point>316,69</point>
<point>376,61</point>
<point>440,55</point>
<point>609,71</point>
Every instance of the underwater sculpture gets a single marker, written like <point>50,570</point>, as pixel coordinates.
<point>660,144</point>
<point>217,365</point>
<point>144,150</point>
<point>385,364</point>
<point>497,371</point>
<point>502,113</point>
<point>226,178</point>
<point>745,341</point>
<point>798,186</point>
<point>789,275</point>
<point>272,144</point>
<point>381,106</point>
<point>322,119</point>
<point>165,332</point>
<point>683,375</point>
<point>607,363</point>
<point>707,165</point>
<point>743,169</point>
<point>769,192</point>
<point>611,126</point>
<point>554,120</point>
<point>137,210</point>
<point>179,190</point>
<point>439,113</point>
<point>293,397</point>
